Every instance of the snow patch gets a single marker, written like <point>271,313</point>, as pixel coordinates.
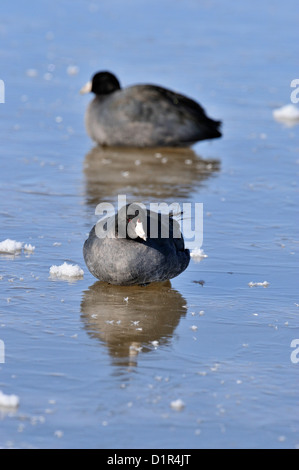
<point>255,284</point>
<point>29,248</point>
<point>67,271</point>
<point>287,113</point>
<point>198,254</point>
<point>10,246</point>
<point>9,401</point>
<point>177,405</point>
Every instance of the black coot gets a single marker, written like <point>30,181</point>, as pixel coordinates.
<point>144,115</point>
<point>136,246</point>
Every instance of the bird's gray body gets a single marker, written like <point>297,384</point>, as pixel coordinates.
<point>126,261</point>
<point>147,116</point>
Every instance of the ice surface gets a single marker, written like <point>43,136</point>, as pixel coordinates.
<point>51,182</point>
<point>31,73</point>
<point>66,270</point>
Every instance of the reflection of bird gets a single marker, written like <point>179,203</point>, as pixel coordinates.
<point>145,174</point>
<point>144,115</point>
<point>131,321</point>
<point>137,246</point>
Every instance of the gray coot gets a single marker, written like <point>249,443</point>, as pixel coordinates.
<point>136,246</point>
<point>144,115</point>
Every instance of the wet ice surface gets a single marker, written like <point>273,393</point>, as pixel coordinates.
<point>203,361</point>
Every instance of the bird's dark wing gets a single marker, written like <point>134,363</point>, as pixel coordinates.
<point>146,103</point>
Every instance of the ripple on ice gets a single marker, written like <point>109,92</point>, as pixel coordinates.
<point>67,271</point>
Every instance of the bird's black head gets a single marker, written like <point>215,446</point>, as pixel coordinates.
<point>104,83</point>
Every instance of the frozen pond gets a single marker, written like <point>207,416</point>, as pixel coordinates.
<point>99,366</point>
